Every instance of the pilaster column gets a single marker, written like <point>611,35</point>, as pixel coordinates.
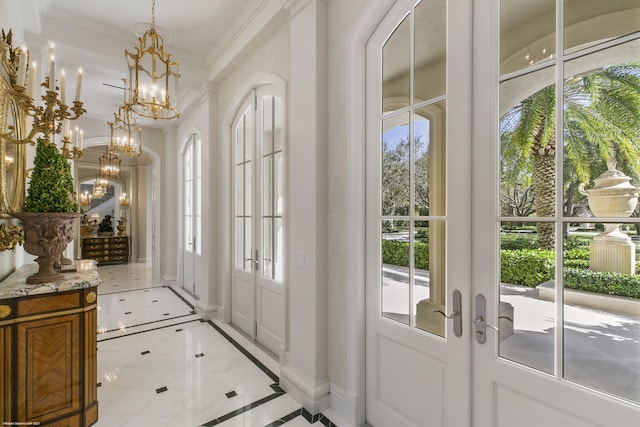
<point>304,374</point>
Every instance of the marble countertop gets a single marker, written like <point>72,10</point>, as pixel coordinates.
<point>15,285</point>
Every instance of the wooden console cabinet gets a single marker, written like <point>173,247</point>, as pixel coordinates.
<point>48,356</point>
<point>106,250</point>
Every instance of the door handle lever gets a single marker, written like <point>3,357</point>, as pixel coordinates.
<point>480,321</point>
<point>456,315</point>
<point>448,316</point>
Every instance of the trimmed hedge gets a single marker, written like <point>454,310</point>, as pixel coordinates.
<point>397,253</point>
<point>531,267</point>
<point>526,267</point>
<point>602,282</point>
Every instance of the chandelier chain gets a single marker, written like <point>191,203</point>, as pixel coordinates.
<point>153,12</point>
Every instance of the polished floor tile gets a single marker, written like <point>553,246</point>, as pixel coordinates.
<point>160,364</point>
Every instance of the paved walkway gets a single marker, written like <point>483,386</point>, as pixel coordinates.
<point>601,349</point>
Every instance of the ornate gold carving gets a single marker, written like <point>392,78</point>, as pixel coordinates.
<point>91,297</point>
<point>5,311</point>
<point>11,236</point>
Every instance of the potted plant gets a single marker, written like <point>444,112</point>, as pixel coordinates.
<point>49,211</point>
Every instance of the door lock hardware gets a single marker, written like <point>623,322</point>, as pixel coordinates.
<point>480,320</point>
<point>456,315</point>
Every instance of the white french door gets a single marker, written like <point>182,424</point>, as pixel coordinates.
<point>257,290</point>
<point>192,219</point>
<point>555,360</point>
<point>418,202</point>
<point>448,342</point>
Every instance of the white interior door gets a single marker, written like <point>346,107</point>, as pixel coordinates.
<point>257,286</point>
<point>192,220</point>
<point>243,293</point>
<point>561,357</point>
<point>418,216</point>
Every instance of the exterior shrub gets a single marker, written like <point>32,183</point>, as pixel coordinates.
<point>526,267</point>
<point>603,282</point>
<point>397,253</point>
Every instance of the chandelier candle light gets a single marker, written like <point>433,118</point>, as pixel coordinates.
<point>126,134</point>
<point>47,118</point>
<point>153,75</point>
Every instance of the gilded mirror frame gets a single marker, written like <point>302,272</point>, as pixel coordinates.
<point>13,157</point>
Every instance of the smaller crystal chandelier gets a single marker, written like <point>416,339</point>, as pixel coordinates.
<point>85,200</point>
<point>109,165</point>
<point>153,76</point>
<point>124,201</point>
<point>99,187</point>
<point>126,133</point>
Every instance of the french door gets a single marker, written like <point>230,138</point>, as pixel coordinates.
<point>448,341</point>
<point>418,225</point>
<point>257,290</point>
<point>192,215</point>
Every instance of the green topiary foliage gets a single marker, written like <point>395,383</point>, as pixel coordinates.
<point>51,186</point>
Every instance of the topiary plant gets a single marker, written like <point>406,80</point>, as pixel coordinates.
<point>51,186</point>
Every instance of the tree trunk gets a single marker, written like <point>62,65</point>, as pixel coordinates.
<point>544,185</point>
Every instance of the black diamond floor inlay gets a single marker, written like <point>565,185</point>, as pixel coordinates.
<point>199,354</point>
<point>122,299</point>
<point>155,300</point>
<point>99,385</point>
<point>161,390</point>
<point>231,394</point>
<point>128,312</point>
<point>145,352</point>
<point>179,330</point>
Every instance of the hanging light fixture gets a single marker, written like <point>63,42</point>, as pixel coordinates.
<point>100,186</point>
<point>153,76</point>
<point>109,165</point>
<point>126,133</point>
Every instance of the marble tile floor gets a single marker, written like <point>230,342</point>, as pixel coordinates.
<point>160,364</point>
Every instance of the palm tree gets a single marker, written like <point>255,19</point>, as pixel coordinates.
<point>601,118</point>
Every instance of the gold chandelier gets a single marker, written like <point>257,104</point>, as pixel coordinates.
<point>153,76</point>
<point>126,133</point>
<point>109,165</point>
<point>100,186</point>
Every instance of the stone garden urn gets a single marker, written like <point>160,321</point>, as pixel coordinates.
<point>46,235</point>
<point>612,196</point>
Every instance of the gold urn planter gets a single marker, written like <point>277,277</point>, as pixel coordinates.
<point>46,235</point>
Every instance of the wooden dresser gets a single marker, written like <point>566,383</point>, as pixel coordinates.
<point>48,349</point>
<point>106,250</point>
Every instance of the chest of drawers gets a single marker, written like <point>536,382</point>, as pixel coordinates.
<point>106,250</point>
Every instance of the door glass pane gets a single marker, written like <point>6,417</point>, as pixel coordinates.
<point>429,291</point>
<point>602,307</point>
<point>430,160</point>
<point>240,250</point>
<point>248,186</point>
<point>527,33</point>
<point>395,166</point>
<point>240,136</point>
<point>267,247</point>
<point>240,185</point>
<point>526,310</point>
<point>249,136</point>
<point>591,22</point>
<point>267,185</point>
<point>528,148</point>
<point>279,184</point>
<point>396,65</point>
<point>277,258</point>
<point>278,123</point>
<point>267,125</point>
<point>430,57</point>
<point>395,292</point>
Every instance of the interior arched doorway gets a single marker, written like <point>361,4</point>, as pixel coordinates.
<point>143,212</point>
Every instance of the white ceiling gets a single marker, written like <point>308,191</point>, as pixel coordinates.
<point>94,34</point>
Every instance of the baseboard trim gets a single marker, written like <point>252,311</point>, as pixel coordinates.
<point>313,396</point>
<point>345,404</point>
